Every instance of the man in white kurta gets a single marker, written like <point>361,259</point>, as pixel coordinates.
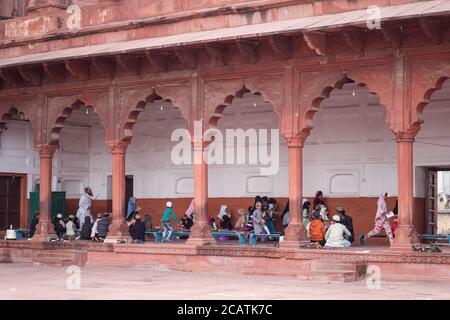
<point>84,207</point>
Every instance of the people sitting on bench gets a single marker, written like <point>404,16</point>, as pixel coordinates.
<point>335,234</point>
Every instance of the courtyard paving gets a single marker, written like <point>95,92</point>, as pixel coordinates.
<point>24,281</point>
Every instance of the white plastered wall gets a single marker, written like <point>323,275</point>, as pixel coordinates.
<point>350,152</point>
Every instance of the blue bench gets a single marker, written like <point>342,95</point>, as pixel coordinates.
<point>255,236</point>
<point>434,237</point>
<point>158,234</point>
<point>225,233</point>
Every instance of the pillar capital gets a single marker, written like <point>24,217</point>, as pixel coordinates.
<point>46,151</point>
<point>405,136</point>
<point>118,147</point>
<point>295,139</point>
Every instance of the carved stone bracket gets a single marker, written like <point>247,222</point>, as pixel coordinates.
<point>249,50</point>
<point>32,74</point>
<point>218,53</point>
<point>281,45</point>
<point>158,60</point>
<point>131,63</point>
<point>78,68</point>
<point>316,42</point>
<point>434,28</point>
<point>55,71</point>
<point>187,57</point>
<point>393,34</point>
<point>106,66</point>
<point>11,77</point>
<point>355,40</point>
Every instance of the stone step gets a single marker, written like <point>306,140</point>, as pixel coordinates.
<point>59,257</point>
<point>331,276</point>
<point>328,265</point>
<point>52,262</point>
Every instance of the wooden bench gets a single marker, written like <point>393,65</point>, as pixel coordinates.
<point>255,236</point>
<point>225,233</point>
<point>435,237</point>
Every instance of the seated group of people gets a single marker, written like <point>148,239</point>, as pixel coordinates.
<point>258,218</point>
<point>333,232</point>
<point>74,229</point>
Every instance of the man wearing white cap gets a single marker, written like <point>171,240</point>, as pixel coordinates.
<point>335,234</point>
<point>60,226</point>
<point>168,229</point>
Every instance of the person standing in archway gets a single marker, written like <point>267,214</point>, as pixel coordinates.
<point>84,206</point>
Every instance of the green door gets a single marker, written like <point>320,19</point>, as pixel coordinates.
<point>58,203</point>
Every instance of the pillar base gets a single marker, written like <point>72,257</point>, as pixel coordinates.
<point>201,235</point>
<point>294,236</point>
<point>405,238</point>
<point>44,232</point>
<point>118,231</point>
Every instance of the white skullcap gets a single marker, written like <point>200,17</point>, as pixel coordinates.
<point>169,204</point>
<point>336,218</point>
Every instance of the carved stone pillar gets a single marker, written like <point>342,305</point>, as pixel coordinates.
<point>45,229</point>
<point>295,233</point>
<point>118,230</point>
<point>405,235</point>
<point>200,231</point>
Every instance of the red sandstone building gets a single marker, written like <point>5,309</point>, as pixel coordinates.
<point>347,87</point>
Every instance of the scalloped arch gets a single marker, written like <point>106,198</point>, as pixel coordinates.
<point>309,113</point>
<point>140,106</point>
<point>218,111</point>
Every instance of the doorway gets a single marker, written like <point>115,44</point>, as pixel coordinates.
<point>438,201</point>
<point>10,194</point>
<point>128,191</point>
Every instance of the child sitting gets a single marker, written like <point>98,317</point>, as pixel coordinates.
<point>317,229</point>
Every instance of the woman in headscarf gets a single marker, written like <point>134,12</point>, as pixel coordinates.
<point>318,199</point>
<point>381,220</point>
<point>224,217</point>
<point>131,208</point>
<point>305,211</point>
<point>222,212</point>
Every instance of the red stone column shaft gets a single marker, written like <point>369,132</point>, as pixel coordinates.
<point>405,234</point>
<point>118,228</point>
<point>45,229</point>
<point>200,232</point>
<point>295,233</point>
